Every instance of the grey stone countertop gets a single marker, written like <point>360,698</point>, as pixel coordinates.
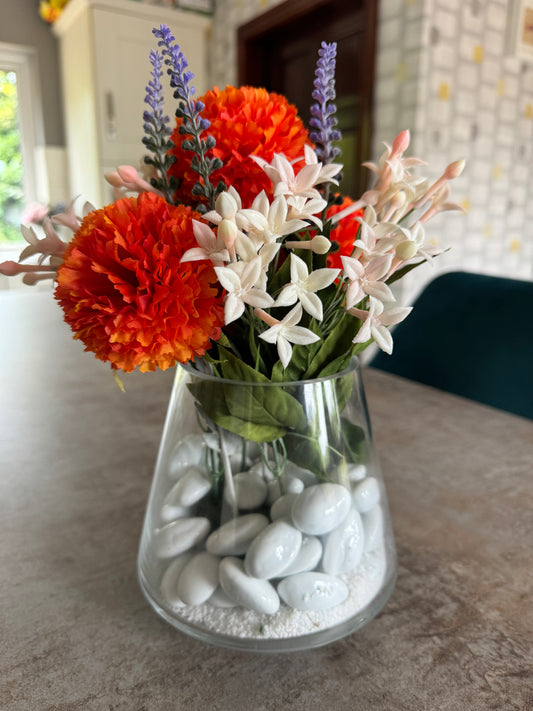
<point>76,459</point>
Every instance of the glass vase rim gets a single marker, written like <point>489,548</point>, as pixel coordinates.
<point>353,366</point>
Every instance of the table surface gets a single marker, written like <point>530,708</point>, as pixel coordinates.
<point>76,460</point>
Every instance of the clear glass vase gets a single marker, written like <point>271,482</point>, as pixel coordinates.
<point>267,526</point>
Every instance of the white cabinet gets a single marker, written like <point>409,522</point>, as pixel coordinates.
<point>105,47</point>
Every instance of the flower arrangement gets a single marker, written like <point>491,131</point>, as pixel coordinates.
<point>240,258</point>
<point>240,243</point>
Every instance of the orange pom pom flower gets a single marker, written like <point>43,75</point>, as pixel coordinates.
<point>244,122</point>
<point>127,296</point>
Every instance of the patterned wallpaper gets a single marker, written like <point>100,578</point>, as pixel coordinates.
<point>442,71</point>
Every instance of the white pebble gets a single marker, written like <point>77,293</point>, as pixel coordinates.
<point>198,579</point>
<point>281,508</point>
<point>274,491</point>
<point>305,475</point>
<point>171,513</point>
<point>320,508</point>
<point>178,536</point>
<point>344,546</point>
<point>312,591</point>
<point>250,490</point>
<point>356,472</point>
<point>259,467</point>
<point>272,550</point>
<point>291,484</point>
<point>220,599</point>
<point>307,558</point>
<point>171,510</point>
<point>373,527</point>
<point>234,537</point>
<point>366,495</point>
<point>192,487</point>
<point>237,463</point>
<point>190,452</point>
<point>255,594</point>
<point>169,582</point>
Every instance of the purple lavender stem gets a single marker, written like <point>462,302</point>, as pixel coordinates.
<point>323,111</point>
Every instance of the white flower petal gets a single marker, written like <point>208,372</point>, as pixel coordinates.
<point>321,278</point>
<point>233,308</point>
<point>228,278</point>
<point>395,315</point>
<point>258,298</point>
<point>300,336</point>
<point>284,351</point>
<point>287,296</point>
<point>383,338</point>
<point>299,271</point>
<point>379,290</point>
<point>312,304</point>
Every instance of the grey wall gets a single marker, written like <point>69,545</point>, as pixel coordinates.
<point>20,23</point>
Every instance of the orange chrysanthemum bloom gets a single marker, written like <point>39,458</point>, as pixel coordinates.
<point>244,122</point>
<point>344,234</point>
<point>127,296</point>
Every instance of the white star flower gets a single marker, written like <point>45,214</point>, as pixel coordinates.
<point>367,279</point>
<point>240,279</point>
<point>375,321</point>
<point>210,245</point>
<point>285,332</point>
<point>268,222</point>
<point>303,285</point>
<point>303,209</point>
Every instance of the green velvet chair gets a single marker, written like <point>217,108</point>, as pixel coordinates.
<point>472,335</point>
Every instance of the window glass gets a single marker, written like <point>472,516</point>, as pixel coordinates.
<point>12,197</point>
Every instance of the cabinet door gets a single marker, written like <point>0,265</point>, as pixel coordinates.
<point>122,47</point>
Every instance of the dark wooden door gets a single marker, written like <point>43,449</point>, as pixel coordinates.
<point>279,50</point>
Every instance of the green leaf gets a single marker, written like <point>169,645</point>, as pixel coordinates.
<point>257,413</point>
<point>354,440</point>
<point>338,343</point>
<point>212,397</point>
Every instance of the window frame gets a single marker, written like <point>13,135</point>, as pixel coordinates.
<point>23,61</point>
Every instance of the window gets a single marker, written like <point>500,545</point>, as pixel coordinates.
<point>21,139</point>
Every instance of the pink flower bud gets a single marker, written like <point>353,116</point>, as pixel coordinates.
<point>454,170</point>
<point>401,142</point>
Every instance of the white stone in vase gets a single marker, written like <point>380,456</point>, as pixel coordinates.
<point>234,537</point>
<point>272,550</point>
<point>356,472</point>
<point>220,599</point>
<point>198,579</point>
<point>305,475</point>
<point>308,556</point>
<point>169,581</point>
<point>291,484</point>
<point>179,536</point>
<point>373,527</point>
<point>366,494</point>
<point>259,467</point>
<point>250,490</point>
<point>252,593</point>
<point>172,513</point>
<point>274,491</point>
<point>192,487</point>
<point>312,591</point>
<point>237,463</point>
<point>282,507</point>
<point>320,508</point>
<point>171,510</point>
<point>344,546</point>
<point>190,452</point>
